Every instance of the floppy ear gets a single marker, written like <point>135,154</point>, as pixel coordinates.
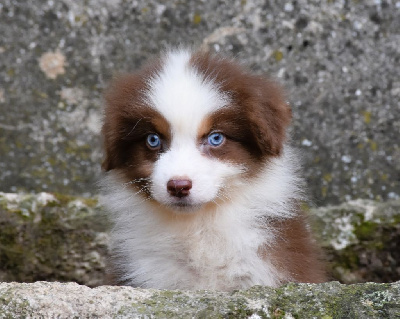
<point>269,116</point>
<point>114,148</point>
<point>109,162</point>
<point>119,97</point>
<point>123,100</point>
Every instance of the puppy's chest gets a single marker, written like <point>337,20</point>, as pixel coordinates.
<point>214,257</point>
<point>210,249</point>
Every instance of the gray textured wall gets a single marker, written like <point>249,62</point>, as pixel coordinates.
<point>339,61</point>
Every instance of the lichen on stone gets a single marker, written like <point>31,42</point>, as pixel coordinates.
<point>52,237</point>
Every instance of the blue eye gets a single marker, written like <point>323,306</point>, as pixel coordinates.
<point>153,141</point>
<point>216,139</point>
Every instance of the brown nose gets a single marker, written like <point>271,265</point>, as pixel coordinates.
<point>179,187</point>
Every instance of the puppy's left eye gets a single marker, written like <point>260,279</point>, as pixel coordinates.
<point>153,141</point>
<point>216,139</point>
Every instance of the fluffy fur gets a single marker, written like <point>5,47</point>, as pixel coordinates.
<point>236,221</point>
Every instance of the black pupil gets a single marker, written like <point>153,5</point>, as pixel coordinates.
<point>153,140</point>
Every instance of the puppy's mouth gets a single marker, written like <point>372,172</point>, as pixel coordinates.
<point>175,204</point>
<point>184,206</point>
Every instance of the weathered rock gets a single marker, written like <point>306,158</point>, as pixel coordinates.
<point>54,237</point>
<point>330,300</point>
<point>361,239</point>
<point>339,61</point>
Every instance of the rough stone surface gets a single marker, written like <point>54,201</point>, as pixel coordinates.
<point>361,239</point>
<point>64,238</point>
<point>339,61</point>
<point>52,237</point>
<point>327,301</point>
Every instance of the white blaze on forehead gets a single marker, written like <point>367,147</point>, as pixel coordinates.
<point>182,95</point>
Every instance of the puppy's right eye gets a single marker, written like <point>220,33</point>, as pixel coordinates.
<point>216,139</point>
<point>153,141</point>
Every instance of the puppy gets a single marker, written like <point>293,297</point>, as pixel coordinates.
<point>200,185</point>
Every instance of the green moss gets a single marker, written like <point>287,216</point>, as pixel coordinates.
<point>324,191</point>
<point>83,151</point>
<point>367,117</point>
<point>238,308</point>
<point>11,72</point>
<point>196,18</point>
<point>348,259</point>
<point>43,238</point>
<point>323,301</point>
<point>40,95</point>
<point>40,172</point>
<point>90,202</point>
<point>373,145</point>
<point>278,55</point>
<point>366,230</point>
<point>5,146</point>
<point>327,177</point>
<point>13,306</point>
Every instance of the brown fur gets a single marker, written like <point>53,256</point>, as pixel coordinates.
<point>294,252</point>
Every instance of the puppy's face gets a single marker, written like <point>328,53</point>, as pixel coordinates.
<point>189,129</point>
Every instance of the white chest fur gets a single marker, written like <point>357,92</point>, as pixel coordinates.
<point>216,250</point>
<point>210,249</point>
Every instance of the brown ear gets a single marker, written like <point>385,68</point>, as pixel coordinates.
<point>123,100</point>
<point>119,96</point>
<point>269,116</point>
<point>106,165</point>
<point>110,146</point>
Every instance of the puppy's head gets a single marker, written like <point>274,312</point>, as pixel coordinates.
<point>188,129</point>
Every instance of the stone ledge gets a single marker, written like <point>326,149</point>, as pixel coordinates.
<point>329,300</point>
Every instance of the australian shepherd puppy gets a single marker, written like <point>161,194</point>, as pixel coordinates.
<point>200,185</point>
